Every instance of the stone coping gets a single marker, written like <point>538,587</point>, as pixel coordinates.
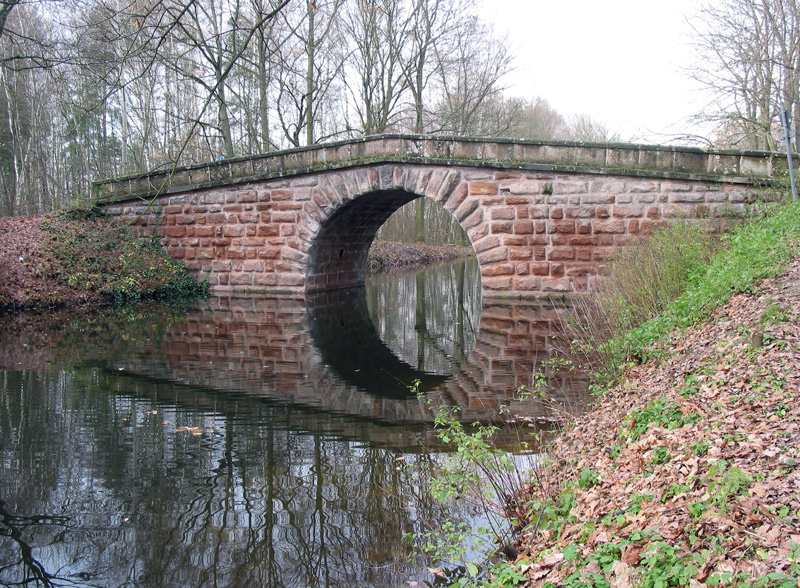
<point>618,159</point>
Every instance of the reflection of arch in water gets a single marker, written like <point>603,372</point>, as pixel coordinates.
<point>262,347</point>
<point>515,340</point>
<point>343,333</point>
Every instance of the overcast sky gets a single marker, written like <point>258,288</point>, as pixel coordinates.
<point>620,61</point>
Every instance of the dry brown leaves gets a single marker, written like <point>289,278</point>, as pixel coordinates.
<point>21,255</point>
<point>731,479</point>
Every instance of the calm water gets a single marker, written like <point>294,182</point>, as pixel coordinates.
<point>250,441</point>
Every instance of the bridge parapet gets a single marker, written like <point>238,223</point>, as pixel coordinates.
<point>628,160</point>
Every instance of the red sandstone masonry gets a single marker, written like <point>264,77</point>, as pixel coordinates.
<point>534,231</point>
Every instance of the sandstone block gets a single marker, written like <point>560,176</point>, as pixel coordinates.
<point>520,253</point>
<point>541,268</point>
<point>284,217</point>
<point>687,197</point>
<point>502,227</point>
<point>528,284</point>
<point>502,213</point>
<point>581,269</point>
<point>482,188</point>
<point>597,199</point>
<point>640,187</point>
<point>515,240</point>
<point>249,217</point>
<point>561,254</point>
<point>608,226</point>
<point>676,187</point>
<point>570,187</point>
<point>174,231</point>
<point>539,211</point>
<point>582,241</point>
<point>483,245</point>
<point>555,285</point>
<point>496,283</point>
<point>221,266</point>
<point>252,265</point>
<point>268,230</point>
<point>493,255</point>
<point>626,211</point>
<point>265,279</point>
<point>497,269</point>
<point>232,231</point>
<point>241,279</point>
<point>525,187</point>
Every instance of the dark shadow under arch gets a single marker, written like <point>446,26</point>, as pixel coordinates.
<point>338,256</point>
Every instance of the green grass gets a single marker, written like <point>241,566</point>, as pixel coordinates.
<point>752,252</point>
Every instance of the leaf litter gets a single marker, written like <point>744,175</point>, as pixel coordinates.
<point>714,480</point>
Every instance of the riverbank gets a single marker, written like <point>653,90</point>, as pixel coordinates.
<point>67,259</point>
<point>687,473</point>
<point>386,256</point>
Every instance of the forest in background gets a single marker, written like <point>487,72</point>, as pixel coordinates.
<point>102,88</point>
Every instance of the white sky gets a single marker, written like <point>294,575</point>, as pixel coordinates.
<point>620,61</point>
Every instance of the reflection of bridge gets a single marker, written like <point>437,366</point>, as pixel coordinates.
<point>264,347</point>
<point>541,217</point>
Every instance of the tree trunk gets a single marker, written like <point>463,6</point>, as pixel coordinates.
<point>310,49</point>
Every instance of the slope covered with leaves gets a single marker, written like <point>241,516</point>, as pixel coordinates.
<point>63,259</point>
<point>688,472</point>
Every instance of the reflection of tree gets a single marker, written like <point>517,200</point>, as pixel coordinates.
<point>26,567</point>
<point>437,333</point>
<point>252,503</point>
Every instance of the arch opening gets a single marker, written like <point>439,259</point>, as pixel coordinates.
<point>339,254</point>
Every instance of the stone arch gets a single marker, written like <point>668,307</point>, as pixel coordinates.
<point>348,209</point>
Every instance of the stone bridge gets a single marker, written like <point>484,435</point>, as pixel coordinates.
<point>541,217</point>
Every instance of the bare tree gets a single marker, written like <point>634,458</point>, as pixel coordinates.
<point>583,127</point>
<point>6,6</point>
<point>432,20</point>
<point>535,119</point>
<point>470,71</point>
<point>379,31</point>
<point>308,69</point>
<point>749,60</point>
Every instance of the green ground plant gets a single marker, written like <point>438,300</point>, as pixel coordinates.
<point>478,474</point>
<point>110,263</point>
<point>661,413</point>
<point>673,279</point>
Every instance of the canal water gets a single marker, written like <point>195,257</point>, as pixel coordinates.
<point>253,441</point>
